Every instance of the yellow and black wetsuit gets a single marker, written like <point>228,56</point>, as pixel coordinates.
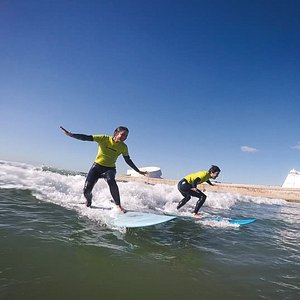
<point>190,181</point>
<point>105,164</point>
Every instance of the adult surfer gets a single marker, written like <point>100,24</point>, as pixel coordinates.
<point>188,187</point>
<point>109,148</point>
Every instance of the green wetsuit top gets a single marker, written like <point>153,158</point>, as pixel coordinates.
<point>108,150</point>
<point>197,178</point>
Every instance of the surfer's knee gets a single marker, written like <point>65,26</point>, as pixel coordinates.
<point>183,201</point>
<point>199,203</point>
<point>114,189</point>
<point>112,185</point>
<point>202,199</point>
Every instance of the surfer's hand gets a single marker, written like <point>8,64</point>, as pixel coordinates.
<point>67,132</point>
<point>143,173</point>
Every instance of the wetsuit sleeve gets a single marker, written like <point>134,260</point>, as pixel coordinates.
<point>131,164</point>
<point>196,182</point>
<point>209,182</point>
<point>82,137</point>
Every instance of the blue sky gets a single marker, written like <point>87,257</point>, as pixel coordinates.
<point>196,82</point>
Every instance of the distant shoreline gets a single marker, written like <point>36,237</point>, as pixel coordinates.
<point>272,192</point>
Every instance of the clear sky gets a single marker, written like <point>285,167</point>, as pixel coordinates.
<point>197,83</point>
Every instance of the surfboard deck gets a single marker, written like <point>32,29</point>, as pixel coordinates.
<point>231,221</point>
<point>218,219</point>
<point>139,219</point>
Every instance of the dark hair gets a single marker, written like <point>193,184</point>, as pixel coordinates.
<point>214,169</point>
<point>121,128</point>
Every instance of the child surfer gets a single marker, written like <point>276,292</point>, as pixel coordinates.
<point>188,187</point>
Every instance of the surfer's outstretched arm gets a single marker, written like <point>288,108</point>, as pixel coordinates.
<point>131,164</point>
<point>82,137</point>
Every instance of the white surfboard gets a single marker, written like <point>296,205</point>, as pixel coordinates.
<point>139,219</point>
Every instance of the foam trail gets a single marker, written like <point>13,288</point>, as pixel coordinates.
<point>66,190</point>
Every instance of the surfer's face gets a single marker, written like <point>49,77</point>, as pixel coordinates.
<point>214,175</point>
<point>120,136</point>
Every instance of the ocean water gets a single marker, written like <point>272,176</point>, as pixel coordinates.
<point>53,247</point>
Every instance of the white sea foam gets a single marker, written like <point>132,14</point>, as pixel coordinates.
<point>66,190</point>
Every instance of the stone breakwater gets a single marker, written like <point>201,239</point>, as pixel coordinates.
<point>273,192</point>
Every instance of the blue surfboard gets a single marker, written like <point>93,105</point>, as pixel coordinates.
<point>139,219</point>
<point>219,219</point>
<point>231,221</point>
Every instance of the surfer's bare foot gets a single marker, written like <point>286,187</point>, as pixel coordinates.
<point>197,216</point>
<point>121,209</point>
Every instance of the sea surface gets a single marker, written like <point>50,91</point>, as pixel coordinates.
<point>53,247</point>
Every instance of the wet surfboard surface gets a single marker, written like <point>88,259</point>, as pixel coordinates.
<point>132,219</point>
